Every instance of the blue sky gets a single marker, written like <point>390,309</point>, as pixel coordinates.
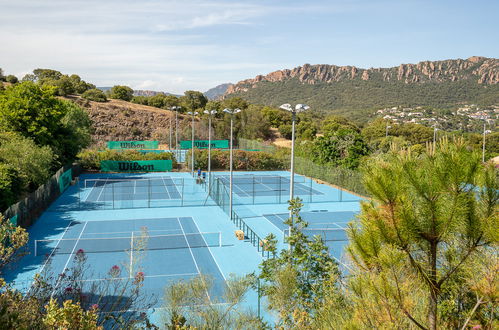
<point>179,45</point>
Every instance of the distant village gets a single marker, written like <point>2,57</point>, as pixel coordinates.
<point>468,118</point>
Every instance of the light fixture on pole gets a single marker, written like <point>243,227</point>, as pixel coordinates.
<point>210,113</point>
<point>435,129</point>
<point>231,112</point>
<point>387,127</point>
<point>298,108</point>
<point>176,108</point>
<point>485,132</point>
<point>195,113</point>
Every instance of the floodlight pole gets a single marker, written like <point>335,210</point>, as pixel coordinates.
<point>434,135</point>
<point>231,112</point>
<point>177,152</point>
<point>170,141</point>
<point>298,108</point>
<point>387,127</point>
<point>209,113</point>
<point>192,142</point>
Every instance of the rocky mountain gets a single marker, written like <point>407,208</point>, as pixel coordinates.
<point>217,92</point>
<point>341,88</point>
<point>140,92</point>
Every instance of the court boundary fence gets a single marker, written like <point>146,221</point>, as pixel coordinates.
<point>28,209</point>
<point>221,198</point>
<point>343,178</point>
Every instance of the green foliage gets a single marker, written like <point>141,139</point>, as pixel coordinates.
<point>242,160</point>
<point>90,158</point>
<point>124,93</point>
<point>31,163</point>
<point>70,316</point>
<point>294,281</point>
<point>193,100</point>
<point>11,79</point>
<point>357,99</point>
<point>187,306</point>
<point>276,117</point>
<point>431,216</point>
<point>94,95</point>
<point>12,239</point>
<point>286,131</point>
<point>2,77</point>
<point>344,147</point>
<point>10,186</point>
<point>34,112</point>
<point>64,84</point>
<point>254,125</point>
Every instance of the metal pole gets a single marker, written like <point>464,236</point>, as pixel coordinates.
<point>170,141</point>
<point>209,152</point>
<point>230,170</point>
<point>483,144</point>
<point>176,134</point>
<point>386,135</point>
<point>192,147</point>
<point>434,135</point>
<point>292,179</point>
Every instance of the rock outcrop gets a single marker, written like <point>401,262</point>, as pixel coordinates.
<point>480,69</point>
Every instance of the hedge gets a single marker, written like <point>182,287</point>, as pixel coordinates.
<point>242,160</point>
<point>90,159</point>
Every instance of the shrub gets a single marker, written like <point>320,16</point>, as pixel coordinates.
<point>124,93</point>
<point>10,186</point>
<point>242,160</point>
<point>90,158</point>
<point>95,95</point>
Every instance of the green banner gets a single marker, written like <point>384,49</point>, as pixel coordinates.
<point>65,180</point>
<point>132,145</point>
<point>135,165</point>
<point>203,144</point>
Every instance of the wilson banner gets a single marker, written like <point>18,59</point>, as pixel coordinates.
<point>132,145</point>
<point>136,166</point>
<point>203,144</point>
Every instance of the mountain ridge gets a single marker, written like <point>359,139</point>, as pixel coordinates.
<point>485,69</point>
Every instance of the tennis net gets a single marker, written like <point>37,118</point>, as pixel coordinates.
<point>131,182</point>
<point>128,243</point>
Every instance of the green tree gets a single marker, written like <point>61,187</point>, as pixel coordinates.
<point>187,306</point>
<point>11,79</point>
<point>293,281</point>
<point>170,101</point>
<point>94,95</point>
<point>2,77</point>
<point>343,147</point>
<point>157,101</point>
<point>32,163</point>
<point>10,185</point>
<point>34,112</point>
<point>124,93</point>
<point>430,216</point>
<point>193,100</point>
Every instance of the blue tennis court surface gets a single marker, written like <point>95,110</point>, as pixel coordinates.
<point>169,227</point>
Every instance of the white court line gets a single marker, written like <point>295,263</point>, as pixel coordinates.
<point>192,254</point>
<point>127,278</point>
<point>166,188</point>
<point>51,253</point>
<point>102,189</point>
<point>134,231</point>
<point>219,269</point>
<point>67,261</point>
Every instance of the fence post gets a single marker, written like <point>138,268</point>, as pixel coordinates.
<point>112,193</point>
<point>149,193</point>
<point>253,180</point>
<point>182,193</point>
<point>279,190</point>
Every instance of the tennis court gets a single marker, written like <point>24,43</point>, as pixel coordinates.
<point>164,249</point>
<point>331,226</point>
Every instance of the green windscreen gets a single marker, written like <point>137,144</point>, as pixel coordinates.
<point>132,145</point>
<point>65,180</point>
<point>136,166</point>
<point>203,144</point>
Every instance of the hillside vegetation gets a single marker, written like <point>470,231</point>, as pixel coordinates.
<point>355,92</point>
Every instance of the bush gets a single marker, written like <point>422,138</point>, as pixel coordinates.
<point>10,186</point>
<point>95,95</point>
<point>11,79</point>
<point>90,158</point>
<point>32,163</point>
<point>124,93</point>
<point>242,160</point>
